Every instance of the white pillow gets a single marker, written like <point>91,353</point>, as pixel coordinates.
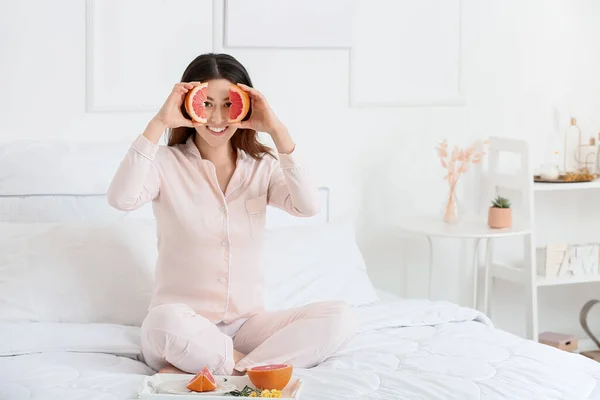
<point>78,272</point>
<point>26,338</point>
<point>304,264</point>
<point>44,167</point>
<point>103,272</point>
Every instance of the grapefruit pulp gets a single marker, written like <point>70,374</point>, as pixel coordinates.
<point>203,381</point>
<point>240,104</point>
<point>194,103</point>
<point>195,99</point>
<point>275,376</point>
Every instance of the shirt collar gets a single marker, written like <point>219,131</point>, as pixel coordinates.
<point>193,149</point>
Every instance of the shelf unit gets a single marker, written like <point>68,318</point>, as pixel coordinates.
<point>520,180</point>
<point>539,187</point>
<point>556,187</point>
<point>562,187</point>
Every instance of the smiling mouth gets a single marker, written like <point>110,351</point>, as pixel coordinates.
<point>215,130</point>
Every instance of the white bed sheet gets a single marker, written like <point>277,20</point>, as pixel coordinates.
<point>70,376</point>
<point>405,349</point>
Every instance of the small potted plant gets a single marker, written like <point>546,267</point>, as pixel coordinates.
<point>500,213</point>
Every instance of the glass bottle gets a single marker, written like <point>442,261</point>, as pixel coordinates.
<point>572,155</point>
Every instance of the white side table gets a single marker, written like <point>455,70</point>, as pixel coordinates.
<point>470,228</point>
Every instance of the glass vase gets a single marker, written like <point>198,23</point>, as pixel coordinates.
<point>451,208</point>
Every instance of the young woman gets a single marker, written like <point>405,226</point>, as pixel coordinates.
<point>210,188</point>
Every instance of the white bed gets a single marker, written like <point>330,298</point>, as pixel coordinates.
<point>75,278</point>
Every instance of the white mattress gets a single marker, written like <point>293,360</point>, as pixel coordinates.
<point>405,349</point>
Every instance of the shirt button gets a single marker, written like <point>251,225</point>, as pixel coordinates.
<point>222,280</point>
<point>224,243</point>
<point>223,208</point>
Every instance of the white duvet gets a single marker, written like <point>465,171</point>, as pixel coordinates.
<point>405,349</point>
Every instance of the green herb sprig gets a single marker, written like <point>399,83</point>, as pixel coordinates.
<point>245,392</point>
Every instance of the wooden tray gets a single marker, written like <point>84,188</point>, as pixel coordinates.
<point>151,388</point>
<point>562,179</point>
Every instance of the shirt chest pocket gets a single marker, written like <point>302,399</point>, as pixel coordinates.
<point>256,209</point>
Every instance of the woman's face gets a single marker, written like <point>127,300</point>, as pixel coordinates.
<point>216,132</point>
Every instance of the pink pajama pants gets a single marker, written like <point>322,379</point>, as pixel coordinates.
<point>304,336</point>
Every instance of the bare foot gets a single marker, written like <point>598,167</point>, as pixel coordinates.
<point>171,370</point>
<point>237,356</point>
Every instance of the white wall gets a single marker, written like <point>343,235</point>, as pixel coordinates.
<point>367,88</point>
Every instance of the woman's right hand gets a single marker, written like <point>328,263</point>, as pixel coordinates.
<point>170,114</point>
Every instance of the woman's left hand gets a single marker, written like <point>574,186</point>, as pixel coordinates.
<point>262,118</point>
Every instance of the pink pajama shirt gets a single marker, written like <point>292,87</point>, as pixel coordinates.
<point>208,294</point>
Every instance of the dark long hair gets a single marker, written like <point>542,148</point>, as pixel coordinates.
<point>220,66</point>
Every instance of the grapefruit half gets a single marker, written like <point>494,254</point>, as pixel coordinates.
<point>275,376</point>
<point>203,381</point>
<point>194,103</point>
<point>240,104</point>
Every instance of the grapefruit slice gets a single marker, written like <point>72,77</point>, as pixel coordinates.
<point>240,104</point>
<point>275,376</point>
<point>194,103</point>
<point>203,381</point>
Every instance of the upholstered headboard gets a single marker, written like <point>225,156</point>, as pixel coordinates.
<point>51,181</point>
